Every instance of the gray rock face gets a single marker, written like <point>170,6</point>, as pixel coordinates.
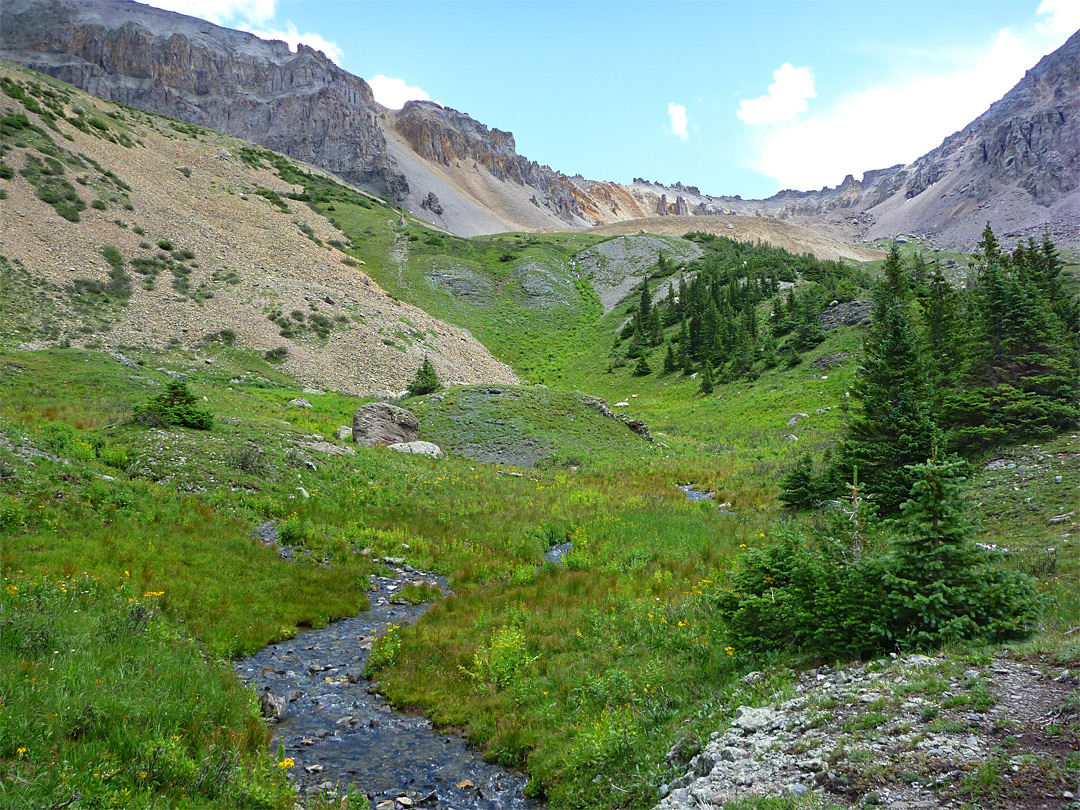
<point>431,203</point>
<point>446,136</point>
<point>301,104</point>
<point>381,423</point>
<point>420,448</point>
<point>847,314</point>
<point>597,404</point>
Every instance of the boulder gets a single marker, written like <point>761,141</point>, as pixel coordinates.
<point>422,448</point>
<point>344,433</point>
<point>795,417</point>
<point>299,403</point>
<point>272,706</point>
<point>381,423</point>
<point>848,314</point>
<point>119,358</point>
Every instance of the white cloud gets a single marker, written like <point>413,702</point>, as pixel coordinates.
<point>785,100</point>
<point>1063,17</point>
<point>677,113</point>
<point>223,12</point>
<point>291,35</point>
<point>393,93</point>
<point>894,123</point>
<point>253,16</point>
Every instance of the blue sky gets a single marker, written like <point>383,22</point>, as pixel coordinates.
<point>733,97</point>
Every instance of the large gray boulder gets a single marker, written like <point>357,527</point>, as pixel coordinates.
<point>381,423</point>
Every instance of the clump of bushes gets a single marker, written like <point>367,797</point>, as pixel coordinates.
<point>929,585</point>
<point>176,405</point>
<point>277,355</point>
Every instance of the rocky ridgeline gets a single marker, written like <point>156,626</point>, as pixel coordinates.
<point>1017,165</point>
<point>446,136</point>
<point>300,104</point>
<point>908,733</point>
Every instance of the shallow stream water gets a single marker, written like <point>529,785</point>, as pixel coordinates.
<point>339,733</point>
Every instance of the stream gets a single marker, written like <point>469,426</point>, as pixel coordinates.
<point>339,733</point>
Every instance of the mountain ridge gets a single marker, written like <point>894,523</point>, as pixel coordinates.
<point>1016,166</point>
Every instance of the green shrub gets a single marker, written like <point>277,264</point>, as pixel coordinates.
<point>500,661</point>
<point>277,354</point>
<point>799,594</point>
<point>385,649</point>
<point>175,406</point>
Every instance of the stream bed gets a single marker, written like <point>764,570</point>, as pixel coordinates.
<point>340,733</point>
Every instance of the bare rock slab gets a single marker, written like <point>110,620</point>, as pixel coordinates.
<point>421,448</point>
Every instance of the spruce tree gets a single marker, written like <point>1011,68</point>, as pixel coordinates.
<point>426,381</point>
<point>892,426</point>
<point>706,386</point>
<point>642,369</point>
<point>670,362</point>
<point>944,341</point>
<point>940,587</point>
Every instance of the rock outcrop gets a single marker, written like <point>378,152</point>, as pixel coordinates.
<point>445,136</point>
<point>904,715</point>
<point>420,448</point>
<point>300,104</point>
<point>381,423</point>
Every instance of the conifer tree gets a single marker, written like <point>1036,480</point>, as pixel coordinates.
<point>943,338</point>
<point>642,369</point>
<point>892,426</point>
<point>426,381</point>
<point>671,363</point>
<point>940,586</point>
<point>706,386</point>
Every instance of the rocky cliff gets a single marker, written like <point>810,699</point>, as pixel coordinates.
<point>448,137</point>
<point>300,103</point>
<point>1016,166</point>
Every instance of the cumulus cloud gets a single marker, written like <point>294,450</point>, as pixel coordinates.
<point>1062,17</point>
<point>785,100</point>
<point>255,17</point>
<point>291,35</point>
<point>393,93</point>
<point>897,122</point>
<point>223,12</point>
<point>677,114</point>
